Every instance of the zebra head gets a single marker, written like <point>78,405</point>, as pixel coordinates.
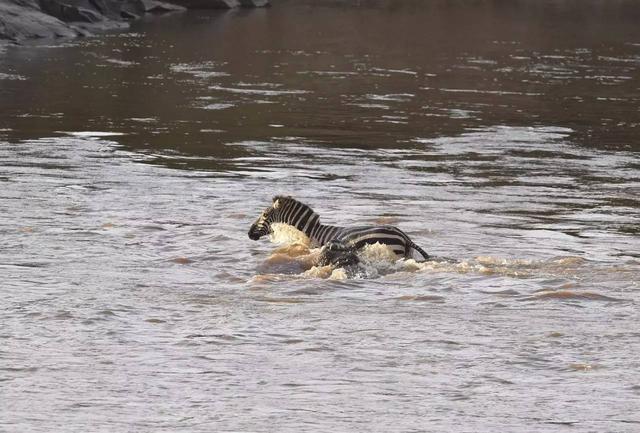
<point>271,215</point>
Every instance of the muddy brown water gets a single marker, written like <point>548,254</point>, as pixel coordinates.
<point>501,135</point>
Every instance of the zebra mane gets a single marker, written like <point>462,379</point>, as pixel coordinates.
<point>287,200</point>
<point>283,198</point>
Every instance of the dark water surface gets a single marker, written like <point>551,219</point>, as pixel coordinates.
<point>503,135</point>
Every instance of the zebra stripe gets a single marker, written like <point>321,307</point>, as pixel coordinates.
<point>289,211</point>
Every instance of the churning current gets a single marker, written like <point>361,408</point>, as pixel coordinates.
<point>502,138</point>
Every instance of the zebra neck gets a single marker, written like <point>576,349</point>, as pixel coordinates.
<point>303,218</point>
<point>300,216</point>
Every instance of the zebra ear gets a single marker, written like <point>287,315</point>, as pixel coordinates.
<point>276,203</point>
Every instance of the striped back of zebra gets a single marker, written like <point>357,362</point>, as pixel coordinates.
<point>290,211</point>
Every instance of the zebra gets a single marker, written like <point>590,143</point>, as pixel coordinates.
<point>287,210</point>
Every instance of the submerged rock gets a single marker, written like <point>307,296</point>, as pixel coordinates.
<point>32,19</point>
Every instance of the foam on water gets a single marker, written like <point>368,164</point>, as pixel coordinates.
<point>297,256</point>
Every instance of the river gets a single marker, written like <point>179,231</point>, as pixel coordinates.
<point>502,136</point>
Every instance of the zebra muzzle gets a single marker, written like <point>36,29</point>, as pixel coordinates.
<point>254,234</point>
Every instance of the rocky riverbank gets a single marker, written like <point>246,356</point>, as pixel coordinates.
<point>35,19</point>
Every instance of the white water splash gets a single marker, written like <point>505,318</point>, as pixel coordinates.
<point>297,254</point>
<point>286,234</point>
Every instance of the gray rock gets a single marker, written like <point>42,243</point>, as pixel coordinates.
<point>23,20</point>
<point>207,4</point>
<point>129,9</point>
<point>70,13</point>
<point>254,3</point>
<point>220,4</point>
<point>90,16</point>
<point>28,19</point>
<point>153,6</point>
